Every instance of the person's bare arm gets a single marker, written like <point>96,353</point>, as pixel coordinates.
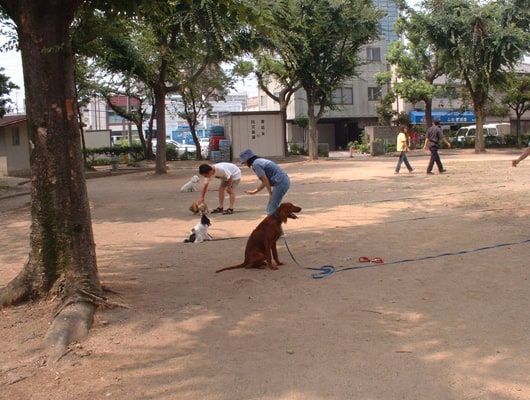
<point>203,194</point>
<point>264,184</point>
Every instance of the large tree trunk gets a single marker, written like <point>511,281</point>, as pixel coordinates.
<point>160,104</point>
<point>313,136</point>
<point>62,248</point>
<point>428,113</point>
<point>480,146</point>
<point>313,130</point>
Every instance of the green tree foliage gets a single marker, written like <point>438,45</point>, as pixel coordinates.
<point>517,98</point>
<point>5,88</point>
<point>156,45</point>
<point>319,43</point>
<point>481,41</point>
<point>197,91</point>
<point>275,72</point>
<point>384,105</point>
<point>417,62</point>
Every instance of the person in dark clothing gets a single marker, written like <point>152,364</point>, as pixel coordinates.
<point>433,136</point>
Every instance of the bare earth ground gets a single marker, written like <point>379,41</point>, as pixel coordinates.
<point>439,326</point>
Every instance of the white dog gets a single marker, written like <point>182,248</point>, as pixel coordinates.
<point>191,185</point>
<point>199,233</point>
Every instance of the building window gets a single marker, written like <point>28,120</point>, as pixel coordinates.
<point>15,136</point>
<point>343,96</point>
<point>114,118</point>
<point>373,54</point>
<point>263,101</point>
<point>374,93</point>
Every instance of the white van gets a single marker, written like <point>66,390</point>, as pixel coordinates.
<point>490,131</point>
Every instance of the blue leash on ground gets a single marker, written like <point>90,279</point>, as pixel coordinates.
<point>326,270</point>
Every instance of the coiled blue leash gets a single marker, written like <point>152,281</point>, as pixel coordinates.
<point>327,270</point>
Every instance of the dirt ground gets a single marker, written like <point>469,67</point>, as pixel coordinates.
<point>444,317</point>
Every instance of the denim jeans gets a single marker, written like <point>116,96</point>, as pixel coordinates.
<point>278,191</point>
<point>403,159</point>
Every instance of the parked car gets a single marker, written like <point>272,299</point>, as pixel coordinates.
<point>179,147</point>
<point>467,134</point>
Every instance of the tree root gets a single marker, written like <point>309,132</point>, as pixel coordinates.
<point>16,291</point>
<point>71,324</point>
<point>73,320</point>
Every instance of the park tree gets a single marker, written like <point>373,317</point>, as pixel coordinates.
<point>517,97</point>
<point>384,106</point>
<point>198,91</point>
<point>481,42</point>
<point>62,258</point>
<point>171,33</point>
<point>62,255</point>
<point>202,79</point>
<point>416,61</point>
<point>94,75</point>
<point>272,72</point>
<point>275,71</point>
<point>320,40</point>
<point>185,42</point>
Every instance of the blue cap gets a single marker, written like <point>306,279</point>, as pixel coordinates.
<point>246,155</point>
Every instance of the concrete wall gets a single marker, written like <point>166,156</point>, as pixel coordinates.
<point>14,157</point>
<point>387,134</point>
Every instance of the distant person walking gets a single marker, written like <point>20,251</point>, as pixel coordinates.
<point>433,136</point>
<point>230,176</point>
<point>272,177</point>
<point>402,147</point>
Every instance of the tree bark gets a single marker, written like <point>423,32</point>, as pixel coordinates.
<point>160,104</point>
<point>61,238</point>
<point>480,146</point>
<point>313,121</point>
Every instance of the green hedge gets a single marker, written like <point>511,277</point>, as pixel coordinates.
<point>103,155</point>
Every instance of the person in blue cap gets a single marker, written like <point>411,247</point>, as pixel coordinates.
<point>272,178</point>
<point>433,136</point>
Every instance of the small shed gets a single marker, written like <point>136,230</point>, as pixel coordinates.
<point>14,146</point>
<point>260,131</point>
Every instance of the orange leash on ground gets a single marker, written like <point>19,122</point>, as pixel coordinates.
<point>377,260</point>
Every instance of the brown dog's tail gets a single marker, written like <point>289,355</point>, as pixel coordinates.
<point>232,267</point>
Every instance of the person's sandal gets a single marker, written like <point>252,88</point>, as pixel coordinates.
<point>218,210</point>
<point>228,211</point>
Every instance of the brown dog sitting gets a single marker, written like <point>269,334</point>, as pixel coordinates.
<point>262,240</point>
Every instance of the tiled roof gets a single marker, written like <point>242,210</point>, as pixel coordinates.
<point>8,120</point>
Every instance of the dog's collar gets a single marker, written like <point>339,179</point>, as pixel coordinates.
<point>277,216</point>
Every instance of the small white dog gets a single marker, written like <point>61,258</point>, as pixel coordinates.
<point>191,185</point>
<point>199,233</point>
